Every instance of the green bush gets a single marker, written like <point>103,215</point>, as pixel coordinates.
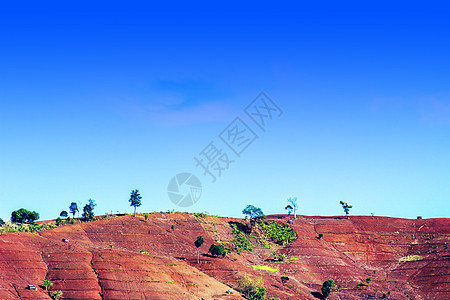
<point>326,288</point>
<point>279,256</point>
<point>277,233</point>
<point>240,240</point>
<point>252,289</point>
<point>217,250</point>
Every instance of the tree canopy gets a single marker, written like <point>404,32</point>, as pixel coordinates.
<point>24,216</point>
<point>73,208</point>
<point>88,210</point>
<point>253,212</point>
<point>135,200</point>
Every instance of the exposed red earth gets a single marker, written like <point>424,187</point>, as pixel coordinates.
<point>132,258</point>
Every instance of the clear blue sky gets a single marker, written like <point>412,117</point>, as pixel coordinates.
<point>100,99</point>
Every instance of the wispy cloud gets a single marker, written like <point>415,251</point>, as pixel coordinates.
<point>177,104</point>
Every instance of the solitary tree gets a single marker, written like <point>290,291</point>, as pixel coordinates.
<point>2,222</point>
<point>346,207</point>
<point>284,279</point>
<point>289,209</point>
<point>253,213</point>
<point>24,216</point>
<point>326,288</point>
<point>135,200</point>
<point>46,284</point>
<point>73,208</point>
<point>88,210</point>
<point>293,201</point>
<point>198,244</point>
<point>64,214</point>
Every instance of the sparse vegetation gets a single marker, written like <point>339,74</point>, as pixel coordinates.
<point>266,268</point>
<point>240,240</point>
<point>279,256</point>
<point>277,233</point>
<point>252,289</point>
<point>411,258</point>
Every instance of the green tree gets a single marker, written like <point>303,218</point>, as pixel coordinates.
<point>346,207</point>
<point>135,200</point>
<point>2,222</point>
<point>326,288</point>
<point>73,208</point>
<point>58,221</point>
<point>368,280</point>
<point>217,250</point>
<point>198,243</point>
<point>64,214</point>
<point>46,284</point>
<point>88,210</point>
<point>24,216</point>
<point>252,288</point>
<point>289,209</point>
<point>56,294</point>
<point>293,201</point>
<point>284,279</point>
<point>253,213</point>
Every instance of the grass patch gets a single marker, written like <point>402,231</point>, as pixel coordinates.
<point>265,268</point>
<point>294,258</point>
<point>411,258</point>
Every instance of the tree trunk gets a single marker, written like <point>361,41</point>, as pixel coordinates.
<point>135,211</point>
<point>198,256</point>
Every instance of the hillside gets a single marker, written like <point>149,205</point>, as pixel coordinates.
<point>130,257</point>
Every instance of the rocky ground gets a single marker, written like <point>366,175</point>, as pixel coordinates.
<point>130,257</point>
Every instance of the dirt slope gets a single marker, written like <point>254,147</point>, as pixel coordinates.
<point>103,259</point>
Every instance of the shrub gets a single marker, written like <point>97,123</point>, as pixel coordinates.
<point>56,294</point>
<point>320,236</point>
<point>326,288</point>
<point>279,256</point>
<point>217,250</point>
<point>279,234</point>
<point>46,284</point>
<point>240,240</point>
<point>58,221</point>
<point>252,288</point>
<point>284,279</point>
<point>368,280</point>
<point>411,258</point>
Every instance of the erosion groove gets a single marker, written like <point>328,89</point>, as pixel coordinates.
<point>155,258</point>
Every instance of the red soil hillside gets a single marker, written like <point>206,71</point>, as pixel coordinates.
<point>406,259</point>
